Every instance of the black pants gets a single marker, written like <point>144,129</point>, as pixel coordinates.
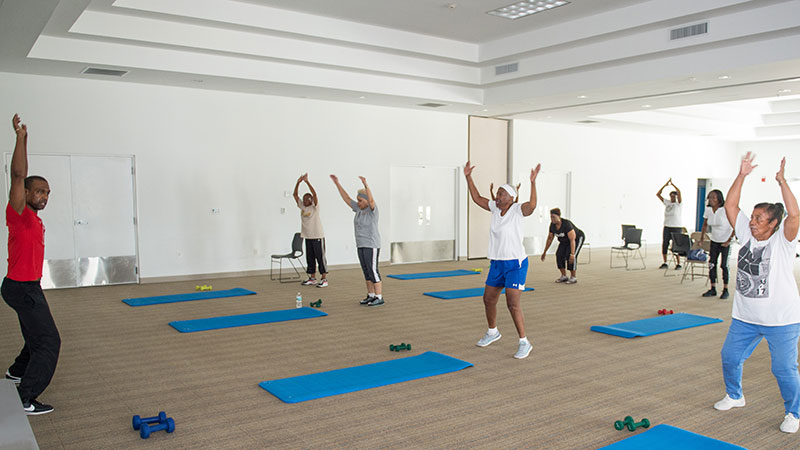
<point>716,250</point>
<point>667,236</point>
<point>37,361</point>
<point>315,255</point>
<point>562,253</point>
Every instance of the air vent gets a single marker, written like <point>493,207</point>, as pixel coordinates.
<point>587,121</point>
<point>506,68</point>
<point>106,72</point>
<point>431,105</point>
<point>691,30</point>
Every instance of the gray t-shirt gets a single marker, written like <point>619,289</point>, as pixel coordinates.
<point>366,225</point>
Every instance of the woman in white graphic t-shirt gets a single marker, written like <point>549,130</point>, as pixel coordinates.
<point>766,303</point>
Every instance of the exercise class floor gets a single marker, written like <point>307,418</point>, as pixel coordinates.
<point>117,361</point>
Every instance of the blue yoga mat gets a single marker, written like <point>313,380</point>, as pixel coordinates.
<point>351,379</point>
<point>204,295</point>
<point>462,293</point>
<point>667,437</point>
<point>442,274</point>
<point>242,320</point>
<point>654,325</point>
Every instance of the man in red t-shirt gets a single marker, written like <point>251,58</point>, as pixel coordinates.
<point>21,289</point>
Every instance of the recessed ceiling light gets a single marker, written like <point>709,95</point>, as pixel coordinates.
<point>647,106</point>
<point>583,96</point>
<point>692,78</point>
<point>724,77</point>
<point>784,91</point>
<point>362,97</point>
<point>485,110</point>
<point>526,8</point>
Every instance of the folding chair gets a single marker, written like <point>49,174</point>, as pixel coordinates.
<point>632,247</point>
<point>688,269</point>
<point>681,244</point>
<point>297,252</point>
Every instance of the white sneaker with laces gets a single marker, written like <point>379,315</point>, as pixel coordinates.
<point>571,280</point>
<point>524,350</point>
<point>790,424</point>
<point>323,283</point>
<point>728,403</point>
<point>488,339</point>
<point>562,279</point>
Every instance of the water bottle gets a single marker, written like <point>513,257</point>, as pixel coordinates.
<point>299,301</point>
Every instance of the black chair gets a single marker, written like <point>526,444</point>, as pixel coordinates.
<point>631,249</point>
<point>297,252</point>
<point>681,244</point>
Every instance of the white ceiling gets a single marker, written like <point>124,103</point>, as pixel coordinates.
<point>601,61</point>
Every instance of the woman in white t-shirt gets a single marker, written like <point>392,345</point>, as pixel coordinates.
<point>509,263</point>
<point>766,303</point>
<point>721,235</point>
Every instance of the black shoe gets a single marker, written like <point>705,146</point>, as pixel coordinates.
<point>664,266</point>
<point>711,293</point>
<point>34,408</point>
<point>677,267</point>
<point>724,294</point>
<point>16,380</point>
<point>366,300</point>
<point>376,302</point>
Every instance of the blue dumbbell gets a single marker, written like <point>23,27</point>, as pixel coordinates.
<point>138,421</point>
<point>169,425</point>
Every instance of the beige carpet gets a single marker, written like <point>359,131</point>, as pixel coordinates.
<point>117,361</point>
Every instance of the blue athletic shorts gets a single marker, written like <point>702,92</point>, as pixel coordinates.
<point>509,274</point>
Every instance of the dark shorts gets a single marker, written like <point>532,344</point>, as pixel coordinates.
<point>368,257</point>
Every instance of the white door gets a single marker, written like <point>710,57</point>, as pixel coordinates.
<point>90,231</point>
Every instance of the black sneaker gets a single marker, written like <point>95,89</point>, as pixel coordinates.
<point>712,293</point>
<point>724,294</point>
<point>664,266</point>
<point>16,380</point>
<point>34,408</point>
<point>366,300</point>
<point>677,266</point>
<point>376,302</point>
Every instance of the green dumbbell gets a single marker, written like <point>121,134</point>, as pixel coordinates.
<point>397,348</point>
<point>316,304</point>
<point>629,422</point>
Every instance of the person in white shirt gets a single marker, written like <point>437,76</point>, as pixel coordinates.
<point>311,231</point>
<point>766,303</point>
<point>672,221</point>
<point>721,236</point>
<point>509,263</point>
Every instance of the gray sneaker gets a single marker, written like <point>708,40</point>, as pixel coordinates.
<point>524,350</point>
<point>488,339</point>
<point>562,279</point>
<point>571,280</point>
<point>375,302</point>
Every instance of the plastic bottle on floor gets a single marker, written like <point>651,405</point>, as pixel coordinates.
<point>299,301</point>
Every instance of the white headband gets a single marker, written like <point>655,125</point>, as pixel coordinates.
<point>511,191</point>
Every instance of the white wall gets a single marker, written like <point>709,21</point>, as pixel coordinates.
<point>199,149</point>
<point>768,157</point>
<point>615,174</point>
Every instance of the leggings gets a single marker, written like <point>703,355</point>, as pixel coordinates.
<point>716,250</point>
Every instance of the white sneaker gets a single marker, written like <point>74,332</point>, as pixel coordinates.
<point>524,350</point>
<point>323,283</point>
<point>562,279</point>
<point>571,280</point>
<point>728,403</point>
<point>790,424</point>
<point>488,339</point>
<point>309,282</point>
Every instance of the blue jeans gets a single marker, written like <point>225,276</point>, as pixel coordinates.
<point>743,338</point>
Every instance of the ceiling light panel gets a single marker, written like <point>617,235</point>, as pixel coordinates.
<point>526,8</point>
